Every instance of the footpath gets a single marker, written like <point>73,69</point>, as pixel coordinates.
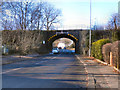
<point>99,75</point>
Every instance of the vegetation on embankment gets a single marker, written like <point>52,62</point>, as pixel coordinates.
<point>111,53</point>
<point>103,49</point>
<point>22,41</point>
<point>97,48</point>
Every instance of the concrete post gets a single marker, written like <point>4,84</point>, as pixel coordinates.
<point>111,60</point>
<point>118,63</point>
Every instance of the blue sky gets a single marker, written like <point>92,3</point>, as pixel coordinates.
<point>75,13</point>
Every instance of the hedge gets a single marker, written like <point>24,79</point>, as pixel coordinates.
<point>116,54</point>
<point>97,48</point>
<point>106,49</point>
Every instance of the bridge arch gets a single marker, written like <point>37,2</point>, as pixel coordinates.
<point>58,36</point>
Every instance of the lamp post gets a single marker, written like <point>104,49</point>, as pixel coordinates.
<point>90,33</point>
<point>119,13</point>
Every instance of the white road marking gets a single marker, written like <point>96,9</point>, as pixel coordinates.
<point>37,63</point>
<point>11,70</point>
<point>53,58</point>
<point>47,58</point>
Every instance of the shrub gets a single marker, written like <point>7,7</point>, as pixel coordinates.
<point>116,54</point>
<point>93,49</point>
<point>106,49</point>
<point>97,48</point>
<point>114,36</point>
<point>24,41</point>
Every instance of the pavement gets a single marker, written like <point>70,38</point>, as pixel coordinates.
<point>99,75</point>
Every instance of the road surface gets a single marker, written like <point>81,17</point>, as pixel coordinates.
<point>49,71</point>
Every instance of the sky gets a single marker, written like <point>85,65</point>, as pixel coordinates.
<point>76,13</point>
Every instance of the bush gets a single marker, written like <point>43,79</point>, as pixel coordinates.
<point>23,40</point>
<point>106,49</point>
<point>116,54</point>
<point>115,35</point>
<point>93,49</point>
<point>97,48</point>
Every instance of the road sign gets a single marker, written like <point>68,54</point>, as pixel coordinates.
<point>62,32</point>
<point>43,42</point>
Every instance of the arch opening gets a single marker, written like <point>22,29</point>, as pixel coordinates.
<point>64,45</point>
<point>69,37</point>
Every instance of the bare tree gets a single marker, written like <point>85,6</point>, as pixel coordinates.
<point>7,25</point>
<point>29,15</point>
<point>19,12</point>
<point>51,16</point>
<point>113,22</point>
<point>36,17</point>
<point>113,25</point>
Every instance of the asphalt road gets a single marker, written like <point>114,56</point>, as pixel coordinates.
<point>49,71</point>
